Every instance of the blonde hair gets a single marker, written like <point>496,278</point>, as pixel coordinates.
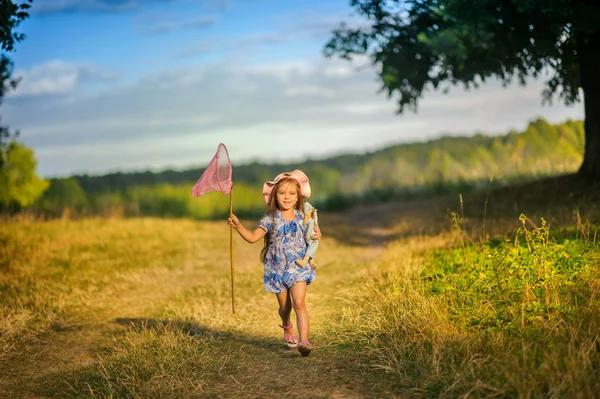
<point>274,206</point>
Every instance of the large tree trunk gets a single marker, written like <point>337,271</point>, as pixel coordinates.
<point>588,48</point>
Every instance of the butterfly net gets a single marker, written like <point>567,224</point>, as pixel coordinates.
<point>216,176</point>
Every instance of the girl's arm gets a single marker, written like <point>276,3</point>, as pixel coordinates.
<point>249,236</point>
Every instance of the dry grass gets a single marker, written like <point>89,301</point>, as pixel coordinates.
<point>141,308</point>
<point>55,273</point>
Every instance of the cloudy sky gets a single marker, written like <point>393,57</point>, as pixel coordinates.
<point>134,85</point>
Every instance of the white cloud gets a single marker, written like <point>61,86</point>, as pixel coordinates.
<point>58,78</point>
<point>162,24</point>
<point>308,90</point>
<point>249,42</point>
<point>57,6</point>
<point>288,29</point>
<point>269,111</point>
<point>338,71</point>
<point>106,6</point>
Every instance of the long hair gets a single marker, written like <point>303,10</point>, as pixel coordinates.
<point>274,206</point>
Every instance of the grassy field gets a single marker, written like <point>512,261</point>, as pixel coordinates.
<point>484,296</point>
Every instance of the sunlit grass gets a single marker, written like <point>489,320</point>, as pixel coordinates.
<point>55,273</point>
<point>431,314</point>
<point>513,317</point>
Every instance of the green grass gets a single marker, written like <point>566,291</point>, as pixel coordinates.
<point>518,316</point>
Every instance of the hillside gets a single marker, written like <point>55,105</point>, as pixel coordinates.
<point>542,149</point>
<point>440,166</point>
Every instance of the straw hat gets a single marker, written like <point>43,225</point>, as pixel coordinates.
<point>297,175</point>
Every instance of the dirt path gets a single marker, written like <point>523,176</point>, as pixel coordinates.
<point>48,365</point>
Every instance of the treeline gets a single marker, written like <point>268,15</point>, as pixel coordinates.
<point>162,200</point>
<point>437,166</point>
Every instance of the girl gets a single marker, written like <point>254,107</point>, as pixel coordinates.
<point>284,240</point>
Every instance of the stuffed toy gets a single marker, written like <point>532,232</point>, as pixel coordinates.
<point>310,222</point>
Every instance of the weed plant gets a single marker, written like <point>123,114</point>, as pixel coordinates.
<point>517,317</point>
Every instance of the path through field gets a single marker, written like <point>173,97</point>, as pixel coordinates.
<point>102,348</point>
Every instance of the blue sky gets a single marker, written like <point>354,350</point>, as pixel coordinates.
<point>130,85</point>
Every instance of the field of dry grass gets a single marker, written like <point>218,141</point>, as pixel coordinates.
<point>142,307</point>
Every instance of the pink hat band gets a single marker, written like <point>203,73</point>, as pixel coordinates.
<point>297,175</point>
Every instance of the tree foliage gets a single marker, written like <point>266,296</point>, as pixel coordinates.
<point>62,194</point>
<point>11,16</point>
<point>19,185</point>
<point>419,44</point>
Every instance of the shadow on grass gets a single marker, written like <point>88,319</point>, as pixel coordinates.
<point>81,379</point>
<point>376,225</point>
<point>562,201</point>
<point>139,324</point>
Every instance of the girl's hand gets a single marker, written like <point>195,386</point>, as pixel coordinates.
<point>249,236</point>
<point>317,233</point>
<point>233,221</point>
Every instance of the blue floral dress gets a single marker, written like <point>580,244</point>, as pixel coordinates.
<point>287,244</point>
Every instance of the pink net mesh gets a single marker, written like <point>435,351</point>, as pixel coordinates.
<point>216,176</point>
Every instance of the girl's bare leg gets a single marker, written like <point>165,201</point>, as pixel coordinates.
<point>298,292</point>
<point>285,309</point>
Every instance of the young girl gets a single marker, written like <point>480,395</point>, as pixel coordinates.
<point>284,240</point>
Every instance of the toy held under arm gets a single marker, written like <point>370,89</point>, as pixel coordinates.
<point>310,222</point>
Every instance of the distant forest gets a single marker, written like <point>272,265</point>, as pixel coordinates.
<point>441,165</point>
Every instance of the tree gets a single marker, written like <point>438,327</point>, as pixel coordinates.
<point>19,185</point>
<point>63,193</point>
<point>11,16</point>
<point>422,44</point>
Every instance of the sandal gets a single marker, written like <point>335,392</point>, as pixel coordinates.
<point>304,347</point>
<point>290,340</point>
